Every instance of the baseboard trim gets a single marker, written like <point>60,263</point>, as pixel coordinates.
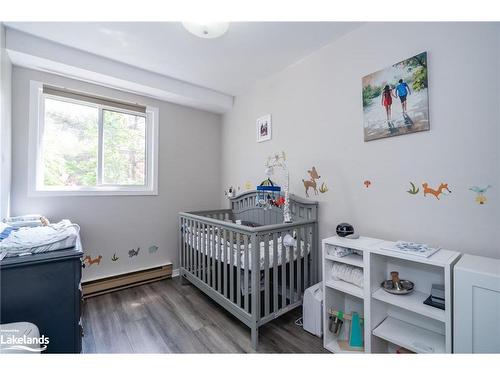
<point>176,272</point>
<point>126,280</point>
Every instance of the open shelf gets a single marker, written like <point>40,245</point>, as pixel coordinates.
<point>413,302</point>
<point>352,259</point>
<point>341,347</point>
<point>348,288</point>
<point>410,336</point>
<point>390,321</point>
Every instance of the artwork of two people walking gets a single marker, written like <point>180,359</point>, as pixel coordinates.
<point>395,99</point>
<point>401,91</point>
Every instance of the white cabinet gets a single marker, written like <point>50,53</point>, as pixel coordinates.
<point>477,305</point>
<point>390,321</point>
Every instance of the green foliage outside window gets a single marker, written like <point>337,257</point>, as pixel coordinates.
<point>71,140</point>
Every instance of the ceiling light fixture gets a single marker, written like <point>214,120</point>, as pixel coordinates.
<point>207,30</point>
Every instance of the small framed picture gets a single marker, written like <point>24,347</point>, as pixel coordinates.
<point>264,128</point>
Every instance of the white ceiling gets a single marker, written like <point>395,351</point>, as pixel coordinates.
<point>248,52</point>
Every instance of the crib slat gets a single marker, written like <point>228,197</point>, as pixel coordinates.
<point>200,250</point>
<point>219,255</point>
<point>184,243</point>
<point>190,245</point>
<point>204,254</point>
<point>238,269</point>
<point>299,262</point>
<point>246,267</point>
<point>193,246</point>
<point>182,233</point>
<point>275,272</point>
<point>212,257</point>
<point>231,266</point>
<point>181,243</point>
<point>255,277</point>
<point>307,247</point>
<point>208,256</point>
<point>197,248</point>
<point>266,274</point>
<point>291,266</point>
<point>283,270</point>
<point>224,264</point>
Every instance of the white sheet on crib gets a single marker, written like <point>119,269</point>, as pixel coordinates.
<point>239,254</point>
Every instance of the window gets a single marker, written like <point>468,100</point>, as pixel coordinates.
<point>82,144</point>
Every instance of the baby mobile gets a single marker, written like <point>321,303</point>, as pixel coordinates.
<point>269,193</point>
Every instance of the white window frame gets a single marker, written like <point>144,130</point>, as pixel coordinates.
<point>36,187</point>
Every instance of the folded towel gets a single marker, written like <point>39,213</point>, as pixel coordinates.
<point>34,220</point>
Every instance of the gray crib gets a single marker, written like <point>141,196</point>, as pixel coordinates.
<point>218,256</point>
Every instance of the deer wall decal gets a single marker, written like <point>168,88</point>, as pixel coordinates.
<point>311,183</point>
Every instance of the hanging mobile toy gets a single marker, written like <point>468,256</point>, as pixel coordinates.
<point>267,193</point>
<point>276,165</point>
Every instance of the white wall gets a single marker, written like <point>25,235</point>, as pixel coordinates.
<point>317,117</point>
<point>189,179</point>
<point>5,126</point>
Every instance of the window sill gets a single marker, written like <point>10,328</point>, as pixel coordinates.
<point>90,193</point>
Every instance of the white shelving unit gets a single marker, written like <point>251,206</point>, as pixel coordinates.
<point>390,321</point>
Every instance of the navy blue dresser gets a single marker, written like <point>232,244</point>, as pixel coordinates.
<point>44,289</point>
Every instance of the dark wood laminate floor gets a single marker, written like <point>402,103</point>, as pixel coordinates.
<point>170,317</point>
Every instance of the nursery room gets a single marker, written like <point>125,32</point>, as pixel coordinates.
<point>251,185</point>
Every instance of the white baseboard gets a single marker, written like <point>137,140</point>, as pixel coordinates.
<point>175,273</point>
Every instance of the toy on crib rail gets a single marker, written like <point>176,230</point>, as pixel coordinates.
<point>229,192</point>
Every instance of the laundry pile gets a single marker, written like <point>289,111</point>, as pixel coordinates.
<point>21,240</point>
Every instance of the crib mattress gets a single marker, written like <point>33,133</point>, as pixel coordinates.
<point>208,244</point>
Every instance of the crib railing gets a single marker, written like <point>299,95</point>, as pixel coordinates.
<point>253,289</point>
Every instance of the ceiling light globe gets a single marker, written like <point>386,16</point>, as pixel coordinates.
<point>207,30</point>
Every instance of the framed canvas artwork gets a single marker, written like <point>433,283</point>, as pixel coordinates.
<point>264,128</point>
<point>396,99</point>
